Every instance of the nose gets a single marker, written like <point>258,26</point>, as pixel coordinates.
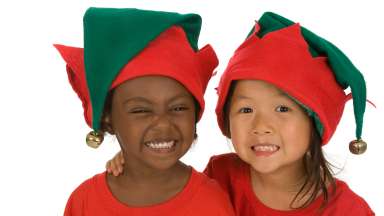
<point>162,122</point>
<point>262,125</point>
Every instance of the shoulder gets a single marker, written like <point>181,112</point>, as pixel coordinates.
<point>222,167</point>
<point>79,196</point>
<point>222,162</point>
<point>208,185</point>
<point>211,197</point>
<point>349,202</point>
<point>224,158</point>
<point>89,185</point>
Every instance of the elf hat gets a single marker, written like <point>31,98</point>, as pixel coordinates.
<point>122,44</point>
<point>308,68</point>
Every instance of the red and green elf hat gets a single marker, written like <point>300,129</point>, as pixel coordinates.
<point>121,44</point>
<point>308,68</point>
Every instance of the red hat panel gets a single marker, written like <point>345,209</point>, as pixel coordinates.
<point>282,59</point>
<point>169,55</point>
<point>74,57</point>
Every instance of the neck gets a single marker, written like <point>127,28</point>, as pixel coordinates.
<point>285,179</point>
<point>150,176</point>
<point>143,185</point>
<point>278,189</point>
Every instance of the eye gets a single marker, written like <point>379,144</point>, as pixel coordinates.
<point>282,108</point>
<point>140,110</point>
<point>245,110</point>
<point>179,108</point>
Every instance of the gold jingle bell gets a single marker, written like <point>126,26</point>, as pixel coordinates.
<point>94,139</point>
<point>357,146</point>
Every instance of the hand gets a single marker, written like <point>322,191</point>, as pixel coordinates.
<point>116,164</point>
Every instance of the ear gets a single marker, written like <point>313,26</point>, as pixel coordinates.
<point>106,124</point>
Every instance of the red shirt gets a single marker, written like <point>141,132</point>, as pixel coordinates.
<point>200,196</point>
<point>233,175</point>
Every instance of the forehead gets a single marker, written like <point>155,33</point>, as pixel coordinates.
<point>256,88</point>
<point>262,92</point>
<point>151,86</point>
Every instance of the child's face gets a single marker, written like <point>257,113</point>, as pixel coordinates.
<point>153,118</point>
<point>268,129</point>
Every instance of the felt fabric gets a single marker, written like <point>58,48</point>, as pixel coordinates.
<point>118,48</point>
<point>308,68</point>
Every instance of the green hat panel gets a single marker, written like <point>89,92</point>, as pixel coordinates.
<point>346,74</point>
<point>112,37</point>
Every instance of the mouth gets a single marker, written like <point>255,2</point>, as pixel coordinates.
<point>161,146</point>
<point>265,149</point>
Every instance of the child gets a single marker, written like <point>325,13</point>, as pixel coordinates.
<point>280,99</point>
<point>142,78</point>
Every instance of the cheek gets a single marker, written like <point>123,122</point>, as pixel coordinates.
<point>129,123</point>
<point>299,133</point>
<point>239,132</point>
<point>128,134</point>
<point>127,128</point>
<point>186,124</point>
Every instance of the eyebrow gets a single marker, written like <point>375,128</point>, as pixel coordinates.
<point>137,99</point>
<point>182,95</point>
<point>242,97</point>
<point>145,100</point>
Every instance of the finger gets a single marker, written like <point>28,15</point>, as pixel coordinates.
<point>108,167</point>
<point>115,173</point>
<point>116,167</point>
<point>121,160</point>
<point>119,166</point>
<point>121,157</point>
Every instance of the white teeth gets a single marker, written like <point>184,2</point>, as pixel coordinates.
<point>269,148</point>
<point>160,145</point>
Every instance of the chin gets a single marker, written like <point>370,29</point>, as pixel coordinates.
<point>264,167</point>
<point>264,170</point>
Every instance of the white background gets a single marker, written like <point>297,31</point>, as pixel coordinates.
<point>43,155</point>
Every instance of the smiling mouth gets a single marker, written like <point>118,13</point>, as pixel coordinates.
<point>265,149</point>
<point>161,146</point>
